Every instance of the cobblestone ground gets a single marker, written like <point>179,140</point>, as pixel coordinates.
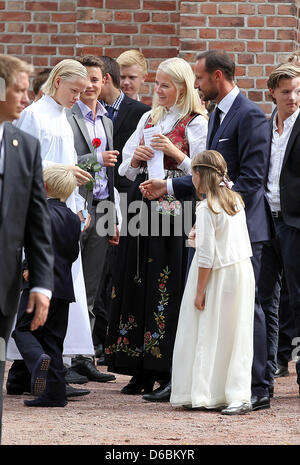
<point>107,417</point>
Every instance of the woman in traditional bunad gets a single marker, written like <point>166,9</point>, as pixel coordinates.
<point>149,282</point>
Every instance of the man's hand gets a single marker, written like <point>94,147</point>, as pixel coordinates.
<point>116,238</point>
<point>39,303</point>
<point>153,188</point>
<point>82,176</point>
<point>110,157</point>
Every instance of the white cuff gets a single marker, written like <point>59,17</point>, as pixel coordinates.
<point>185,165</point>
<point>170,189</point>
<point>42,290</point>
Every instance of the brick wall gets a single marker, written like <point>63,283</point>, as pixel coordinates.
<point>257,33</point>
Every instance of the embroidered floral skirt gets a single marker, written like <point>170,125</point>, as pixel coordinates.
<point>147,289</point>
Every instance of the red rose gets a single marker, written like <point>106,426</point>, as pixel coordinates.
<point>96,142</point>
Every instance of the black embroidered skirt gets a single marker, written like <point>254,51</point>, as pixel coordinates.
<point>148,285</point>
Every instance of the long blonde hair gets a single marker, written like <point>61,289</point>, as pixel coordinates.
<point>182,76</point>
<point>66,69</point>
<point>214,182</point>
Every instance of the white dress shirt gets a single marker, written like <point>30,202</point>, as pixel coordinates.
<point>225,104</point>
<point>95,129</point>
<point>196,133</point>
<point>278,148</point>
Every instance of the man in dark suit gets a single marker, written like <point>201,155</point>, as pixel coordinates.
<point>239,130</point>
<point>88,121</point>
<point>282,184</point>
<point>24,217</point>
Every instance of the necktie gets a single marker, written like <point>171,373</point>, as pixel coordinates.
<point>216,124</point>
<point>110,112</point>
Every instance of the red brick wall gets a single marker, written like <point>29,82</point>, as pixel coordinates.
<point>257,33</point>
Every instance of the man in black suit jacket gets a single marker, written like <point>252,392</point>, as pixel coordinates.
<point>242,136</point>
<point>24,217</point>
<point>123,111</point>
<point>282,184</point>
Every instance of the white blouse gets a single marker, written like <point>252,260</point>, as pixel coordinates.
<point>196,133</point>
<point>46,120</point>
<point>221,239</point>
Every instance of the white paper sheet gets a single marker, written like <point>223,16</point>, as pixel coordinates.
<point>156,164</point>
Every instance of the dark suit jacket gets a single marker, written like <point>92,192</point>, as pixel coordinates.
<point>24,219</point>
<point>66,229</point>
<point>125,124</point>
<point>243,139</point>
<point>83,147</point>
<point>289,181</point>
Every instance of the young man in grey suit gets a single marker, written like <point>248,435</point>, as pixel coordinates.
<point>24,217</point>
<point>88,121</point>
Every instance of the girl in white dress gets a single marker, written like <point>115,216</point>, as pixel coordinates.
<point>213,349</point>
<point>46,120</point>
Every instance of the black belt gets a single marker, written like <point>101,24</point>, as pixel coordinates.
<point>277,215</point>
<point>96,201</point>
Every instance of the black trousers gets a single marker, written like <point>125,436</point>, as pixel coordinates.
<point>48,339</point>
<point>6,323</point>
<point>281,256</point>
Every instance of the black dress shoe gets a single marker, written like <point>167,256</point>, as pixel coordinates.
<point>39,374</point>
<point>260,403</point>
<point>161,394</point>
<point>88,369</point>
<point>282,370</point>
<point>137,386</point>
<point>17,389</point>
<point>240,409</point>
<point>72,377</point>
<point>75,392</point>
<point>45,402</point>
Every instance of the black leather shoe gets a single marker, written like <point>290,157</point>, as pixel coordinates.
<point>282,370</point>
<point>260,403</point>
<point>135,386</point>
<point>72,377</point>
<point>88,369</point>
<point>17,389</point>
<point>271,391</point>
<point>75,392</point>
<point>161,394</point>
<point>45,402</point>
<point>39,375</point>
<point>240,409</point>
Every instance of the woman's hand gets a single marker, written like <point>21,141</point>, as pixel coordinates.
<point>200,301</point>
<point>141,153</point>
<point>163,143</point>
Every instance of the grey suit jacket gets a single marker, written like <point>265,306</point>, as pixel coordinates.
<point>83,146</point>
<point>24,219</point>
